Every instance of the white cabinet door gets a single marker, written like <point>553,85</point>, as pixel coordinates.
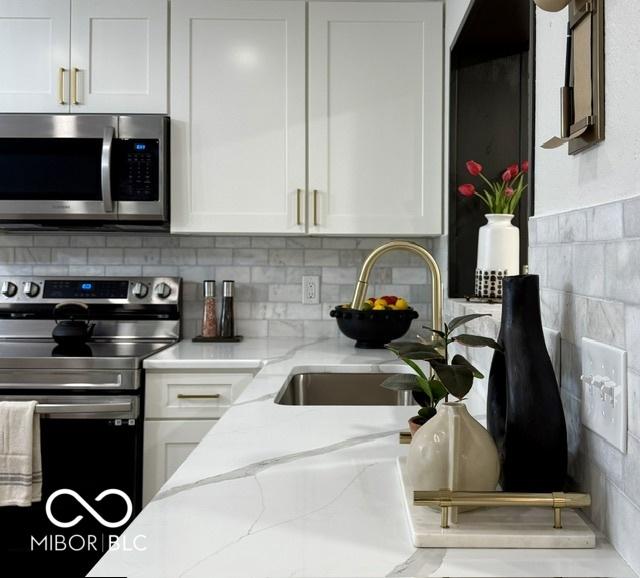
<point>375,117</point>
<point>34,56</point>
<point>166,445</point>
<point>238,116</point>
<point>119,56</point>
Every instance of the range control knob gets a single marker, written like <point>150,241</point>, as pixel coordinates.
<point>8,289</point>
<point>31,289</point>
<point>162,290</point>
<point>140,290</point>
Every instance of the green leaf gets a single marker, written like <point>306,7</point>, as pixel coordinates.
<point>414,366</point>
<point>426,387</point>
<point>458,321</point>
<point>462,361</point>
<point>439,390</point>
<point>477,341</point>
<point>458,379</point>
<point>440,333</point>
<point>416,350</point>
<point>423,356</point>
<point>427,412</point>
<point>401,382</point>
<point>435,341</point>
<point>421,398</point>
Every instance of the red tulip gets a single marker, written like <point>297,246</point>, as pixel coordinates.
<point>524,167</point>
<point>509,192</point>
<point>511,172</point>
<point>474,168</point>
<point>467,190</point>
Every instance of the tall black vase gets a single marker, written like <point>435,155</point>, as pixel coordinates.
<point>524,409</point>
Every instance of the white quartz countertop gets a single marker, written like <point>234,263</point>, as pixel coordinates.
<point>275,491</point>
<point>247,354</point>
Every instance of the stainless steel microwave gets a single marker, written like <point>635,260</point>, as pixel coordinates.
<point>59,171</point>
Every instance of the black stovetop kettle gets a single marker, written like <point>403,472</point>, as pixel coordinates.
<point>72,324</point>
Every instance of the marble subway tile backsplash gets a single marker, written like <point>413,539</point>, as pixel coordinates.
<point>589,266</point>
<point>268,272</point>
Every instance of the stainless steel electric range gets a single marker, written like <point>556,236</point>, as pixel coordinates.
<point>90,397</point>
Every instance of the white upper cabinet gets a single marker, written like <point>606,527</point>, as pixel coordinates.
<point>34,56</point>
<point>371,74</point>
<point>375,118</point>
<point>119,56</point>
<point>238,116</point>
<point>107,56</point>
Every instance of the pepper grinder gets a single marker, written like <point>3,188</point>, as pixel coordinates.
<point>227,328</point>
<point>209,319</point>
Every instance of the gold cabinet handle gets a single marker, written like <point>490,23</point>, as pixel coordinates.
<point>315,207</point>
<point>198,396</point>
<point>298,214</point>
<point>61,72</point>
<point>74,86</point>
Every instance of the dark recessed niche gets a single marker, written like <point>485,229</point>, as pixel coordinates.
<point>491,120</point>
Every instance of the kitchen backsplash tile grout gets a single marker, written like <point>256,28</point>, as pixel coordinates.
<point>268,272</point>
<point>589,266</point>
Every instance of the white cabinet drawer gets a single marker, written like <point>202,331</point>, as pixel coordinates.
<point>184,394</point>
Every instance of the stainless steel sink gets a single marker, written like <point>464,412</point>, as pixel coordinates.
<point>340,389</point>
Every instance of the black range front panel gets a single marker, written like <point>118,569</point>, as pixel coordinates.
<point>85,289</point>
<point>87,456</point>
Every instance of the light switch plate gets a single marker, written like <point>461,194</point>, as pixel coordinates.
<point>604,391</point>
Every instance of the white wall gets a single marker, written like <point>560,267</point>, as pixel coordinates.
<point>611,170</point>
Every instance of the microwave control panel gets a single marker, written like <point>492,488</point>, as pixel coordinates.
<point>136,168</point>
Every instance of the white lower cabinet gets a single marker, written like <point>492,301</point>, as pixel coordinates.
<point>181,406</point>
<point>167,443</point>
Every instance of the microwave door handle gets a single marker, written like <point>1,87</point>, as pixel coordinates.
<point>105,167</point>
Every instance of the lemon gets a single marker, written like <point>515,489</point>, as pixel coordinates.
<point>380,302</point>
<point>379,307</point>
<point>402,304</point>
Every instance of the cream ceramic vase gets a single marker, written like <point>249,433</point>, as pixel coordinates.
<point>452,450</point>
<point>498,255</point>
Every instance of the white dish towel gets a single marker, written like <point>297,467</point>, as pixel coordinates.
<point>20,458</point>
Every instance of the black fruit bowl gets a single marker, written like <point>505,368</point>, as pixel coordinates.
<point>373,329</point>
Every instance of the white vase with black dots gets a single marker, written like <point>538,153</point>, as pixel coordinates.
<point>498,255</point>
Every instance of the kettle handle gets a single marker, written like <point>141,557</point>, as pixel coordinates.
<point>77,304</point>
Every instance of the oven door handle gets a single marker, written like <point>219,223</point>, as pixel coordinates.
<point>65,408</point>
<point>58,382</point>
<point>105,168</point>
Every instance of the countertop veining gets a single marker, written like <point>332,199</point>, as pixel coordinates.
<point>275,491</point>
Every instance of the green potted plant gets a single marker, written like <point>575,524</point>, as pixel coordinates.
<point>449,375</point>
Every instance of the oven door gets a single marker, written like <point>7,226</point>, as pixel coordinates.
<point>90,445</point>
<point>56,167</point>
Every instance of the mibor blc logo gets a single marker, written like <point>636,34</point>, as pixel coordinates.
<point>87,506</point>
<point>99,542</point>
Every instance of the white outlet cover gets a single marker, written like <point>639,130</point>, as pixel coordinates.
<point>310,289</point>
<point>605,411</point>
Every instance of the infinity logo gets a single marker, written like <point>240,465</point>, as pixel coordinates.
<point>89,509</point>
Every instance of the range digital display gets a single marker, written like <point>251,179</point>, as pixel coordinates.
<point>85,289</point>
